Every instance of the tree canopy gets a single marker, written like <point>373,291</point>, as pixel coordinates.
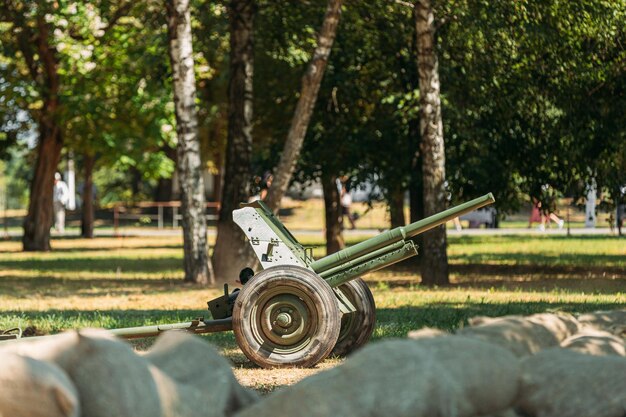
<point>532,93</point>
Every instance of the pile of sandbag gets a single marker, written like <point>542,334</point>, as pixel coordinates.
<point>544,365</point>
<point>91,373</point>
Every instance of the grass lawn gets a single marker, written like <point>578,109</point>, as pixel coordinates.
<point>120,282</point>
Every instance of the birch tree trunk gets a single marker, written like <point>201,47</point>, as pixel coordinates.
<point>231,253</point>
<point>435,259</point>
<point>196,259</point>
<point>308,96</point>
<point>39,218</point>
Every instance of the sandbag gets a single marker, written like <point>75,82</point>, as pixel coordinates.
<point>509,412</point>
<point>444,376</point>
<point>32,388</point>
<point>522,335</point>
<point>48,348</point>
<point>189,360</point>
<point>563,383</point>
<point>183,400</point>
<point>612,321</point>
<point>112,380</point>
<point>596,342</point>
<point>560,325</point>
<point>426,333</point>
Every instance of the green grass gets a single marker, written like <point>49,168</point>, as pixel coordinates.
<point>112,282</point>
<point>123,282</point>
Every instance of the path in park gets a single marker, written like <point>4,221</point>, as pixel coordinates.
<point>369,232</point>
<point>147,232</point>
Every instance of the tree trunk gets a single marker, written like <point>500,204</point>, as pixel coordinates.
<point>333,216</point>
<point>308,96</point>
<point>231,253</point>
<point>164,188</point>
<point>396,207</point>
<point>435,260</point>
<point>88,206</point>
<point>39,218</point>
<point>196,258</point>
<point>416,184</point>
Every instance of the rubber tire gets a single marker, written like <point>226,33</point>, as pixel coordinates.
<point>357,327</point>
<point>321,307</point>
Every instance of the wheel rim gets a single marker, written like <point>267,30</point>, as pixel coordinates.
<point>284,319</point>
<point>357,327</point>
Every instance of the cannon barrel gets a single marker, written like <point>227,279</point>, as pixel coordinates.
<point>384,257</point>
<point>398,234</point>
<point>197,326</point>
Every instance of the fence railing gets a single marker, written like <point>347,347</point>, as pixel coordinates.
<point>135,212</point>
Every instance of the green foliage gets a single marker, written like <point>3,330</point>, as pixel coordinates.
<point>527,89</point>
<point>532,93</point>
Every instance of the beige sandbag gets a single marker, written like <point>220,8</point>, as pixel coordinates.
<point>445,376</point>
<point>189,360</point>
<point>560,325</point>
<point>426,333</point>
<point>596,342</point>
<point>32,388</point>
<point>112,380</point>
<point>509,412</point>
<point>612,321</point>
<point>183,400</point>
<point>522,335</point>
<point>48,348</point>
<point>564,383</point>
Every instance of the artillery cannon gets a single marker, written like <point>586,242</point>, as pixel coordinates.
<point>298,310</point>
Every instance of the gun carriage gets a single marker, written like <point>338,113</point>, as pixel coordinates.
<point>298,310</point>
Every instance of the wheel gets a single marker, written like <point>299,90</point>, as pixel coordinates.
<point>357,327</point>
<point>286,316</point>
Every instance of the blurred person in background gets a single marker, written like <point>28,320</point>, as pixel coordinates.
<point>60,198</point>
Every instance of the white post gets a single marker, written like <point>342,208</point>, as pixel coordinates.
<point>590,205</point>
<point>70,176</point>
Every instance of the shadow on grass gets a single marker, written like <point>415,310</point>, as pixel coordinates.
<point>397,322</point>
<point>53,287</point>
<point>597,286</point>
<point>130,246</point>
<point>537,269</point>
<point>540,260</point>
<point>103,264</point>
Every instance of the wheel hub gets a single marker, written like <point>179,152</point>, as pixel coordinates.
<point>285,320</point>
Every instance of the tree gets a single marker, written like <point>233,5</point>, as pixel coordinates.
<point>87,207</point>
<point>196,260</point>
<point>531,94</point>
<point>104,107</point>
<point>435,259</point>
<point>231,253</point>
<point>33,40</point>
<point>306,103</point>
